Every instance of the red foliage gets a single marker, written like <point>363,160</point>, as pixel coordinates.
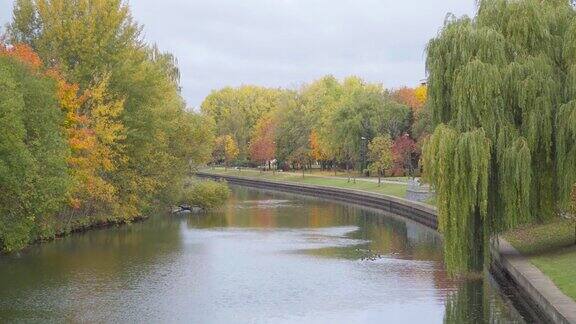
<point>404,151</point>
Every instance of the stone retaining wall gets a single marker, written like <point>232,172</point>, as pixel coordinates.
<point>415,211</point>
<point>534,286</point>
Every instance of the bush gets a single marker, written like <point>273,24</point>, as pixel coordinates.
<point>205,194</point>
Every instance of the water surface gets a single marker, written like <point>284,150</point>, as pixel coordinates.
<point>264,258</point>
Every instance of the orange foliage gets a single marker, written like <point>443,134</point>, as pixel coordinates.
<point>86,161</point>
<point>23,53</point>
<point>407,96</point>
<point>317,152</point>
<point>413,98</point>
<point>92,129</point>
<point>263,147</point>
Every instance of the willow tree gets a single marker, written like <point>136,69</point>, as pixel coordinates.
<point>502,90</point>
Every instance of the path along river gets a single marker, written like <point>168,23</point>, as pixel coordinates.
<point>264,258</point>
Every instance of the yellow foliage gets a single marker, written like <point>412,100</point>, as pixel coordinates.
<point>231,150</point>
<point>108,130</point>
<point>94,138</point>
<point>421,93</point>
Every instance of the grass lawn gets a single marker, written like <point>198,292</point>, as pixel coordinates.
<point>343,174</point>
<point>552,249</point>
<point>392,189</point>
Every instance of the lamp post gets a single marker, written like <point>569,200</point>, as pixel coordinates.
<point>362,154</point>
<point>270,162</point>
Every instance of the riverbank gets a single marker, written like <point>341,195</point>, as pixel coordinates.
<point>551,248</point>
<point>81,228</point>
<point>533,284</point>
<point>396,187</point>
<point>267,256</point>
<point>419,212</point>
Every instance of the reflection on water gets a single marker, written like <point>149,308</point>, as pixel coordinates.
<point>264,258</point>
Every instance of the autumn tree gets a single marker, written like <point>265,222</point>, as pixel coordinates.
<point>503,151</point>
<point>421,94</point>
<point>365,111</point>
<point>23,53</point>
<point>405,152</point>
<point>380,155</point>
<point>34,179</point>
<point>98,151</point>
<point>320,100</point>
<point>130,136</point>
<point>317,151</point>
<point>83,37</point>
<point>236,111</point>
<point>262,144</point>
<point>225,150</point>
<point>231,150</point>
<point>407,96</point>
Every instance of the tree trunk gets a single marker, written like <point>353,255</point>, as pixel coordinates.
<point>477,257</point>
<point>348,171</point>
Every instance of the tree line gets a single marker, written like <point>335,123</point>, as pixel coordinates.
<point>500,105</point>
<point>334,124</point>
<point>93,128</point>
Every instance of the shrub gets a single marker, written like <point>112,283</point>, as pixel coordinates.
<point>205,194</point>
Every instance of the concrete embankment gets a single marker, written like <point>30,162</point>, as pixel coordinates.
<point>536,289</point>
<point>418,212</point>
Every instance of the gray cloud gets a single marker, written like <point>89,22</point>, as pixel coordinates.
<point>284,43</point>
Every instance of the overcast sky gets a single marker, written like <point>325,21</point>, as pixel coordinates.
<point>285,43</point>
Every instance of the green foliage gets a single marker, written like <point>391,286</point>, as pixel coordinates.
<point>34,178</point>
<point>205,194</point>
<point>337,113</point>
<point>566,151</point>
<point>573,203</point>
<point>137,136</point>
<point>470,303</point>
<point>380,155</point>
<point>422,125</point>
<point>84,37</point>
<point>458,165</point>
<point>293,128</point>
<point>365,111</point>
<point>237,110</point>
<point>497,84</point>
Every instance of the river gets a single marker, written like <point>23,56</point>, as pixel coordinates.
<point>263,258</point>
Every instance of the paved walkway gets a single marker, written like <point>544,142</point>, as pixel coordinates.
<point>374,180</point>
<point>536,284</point>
